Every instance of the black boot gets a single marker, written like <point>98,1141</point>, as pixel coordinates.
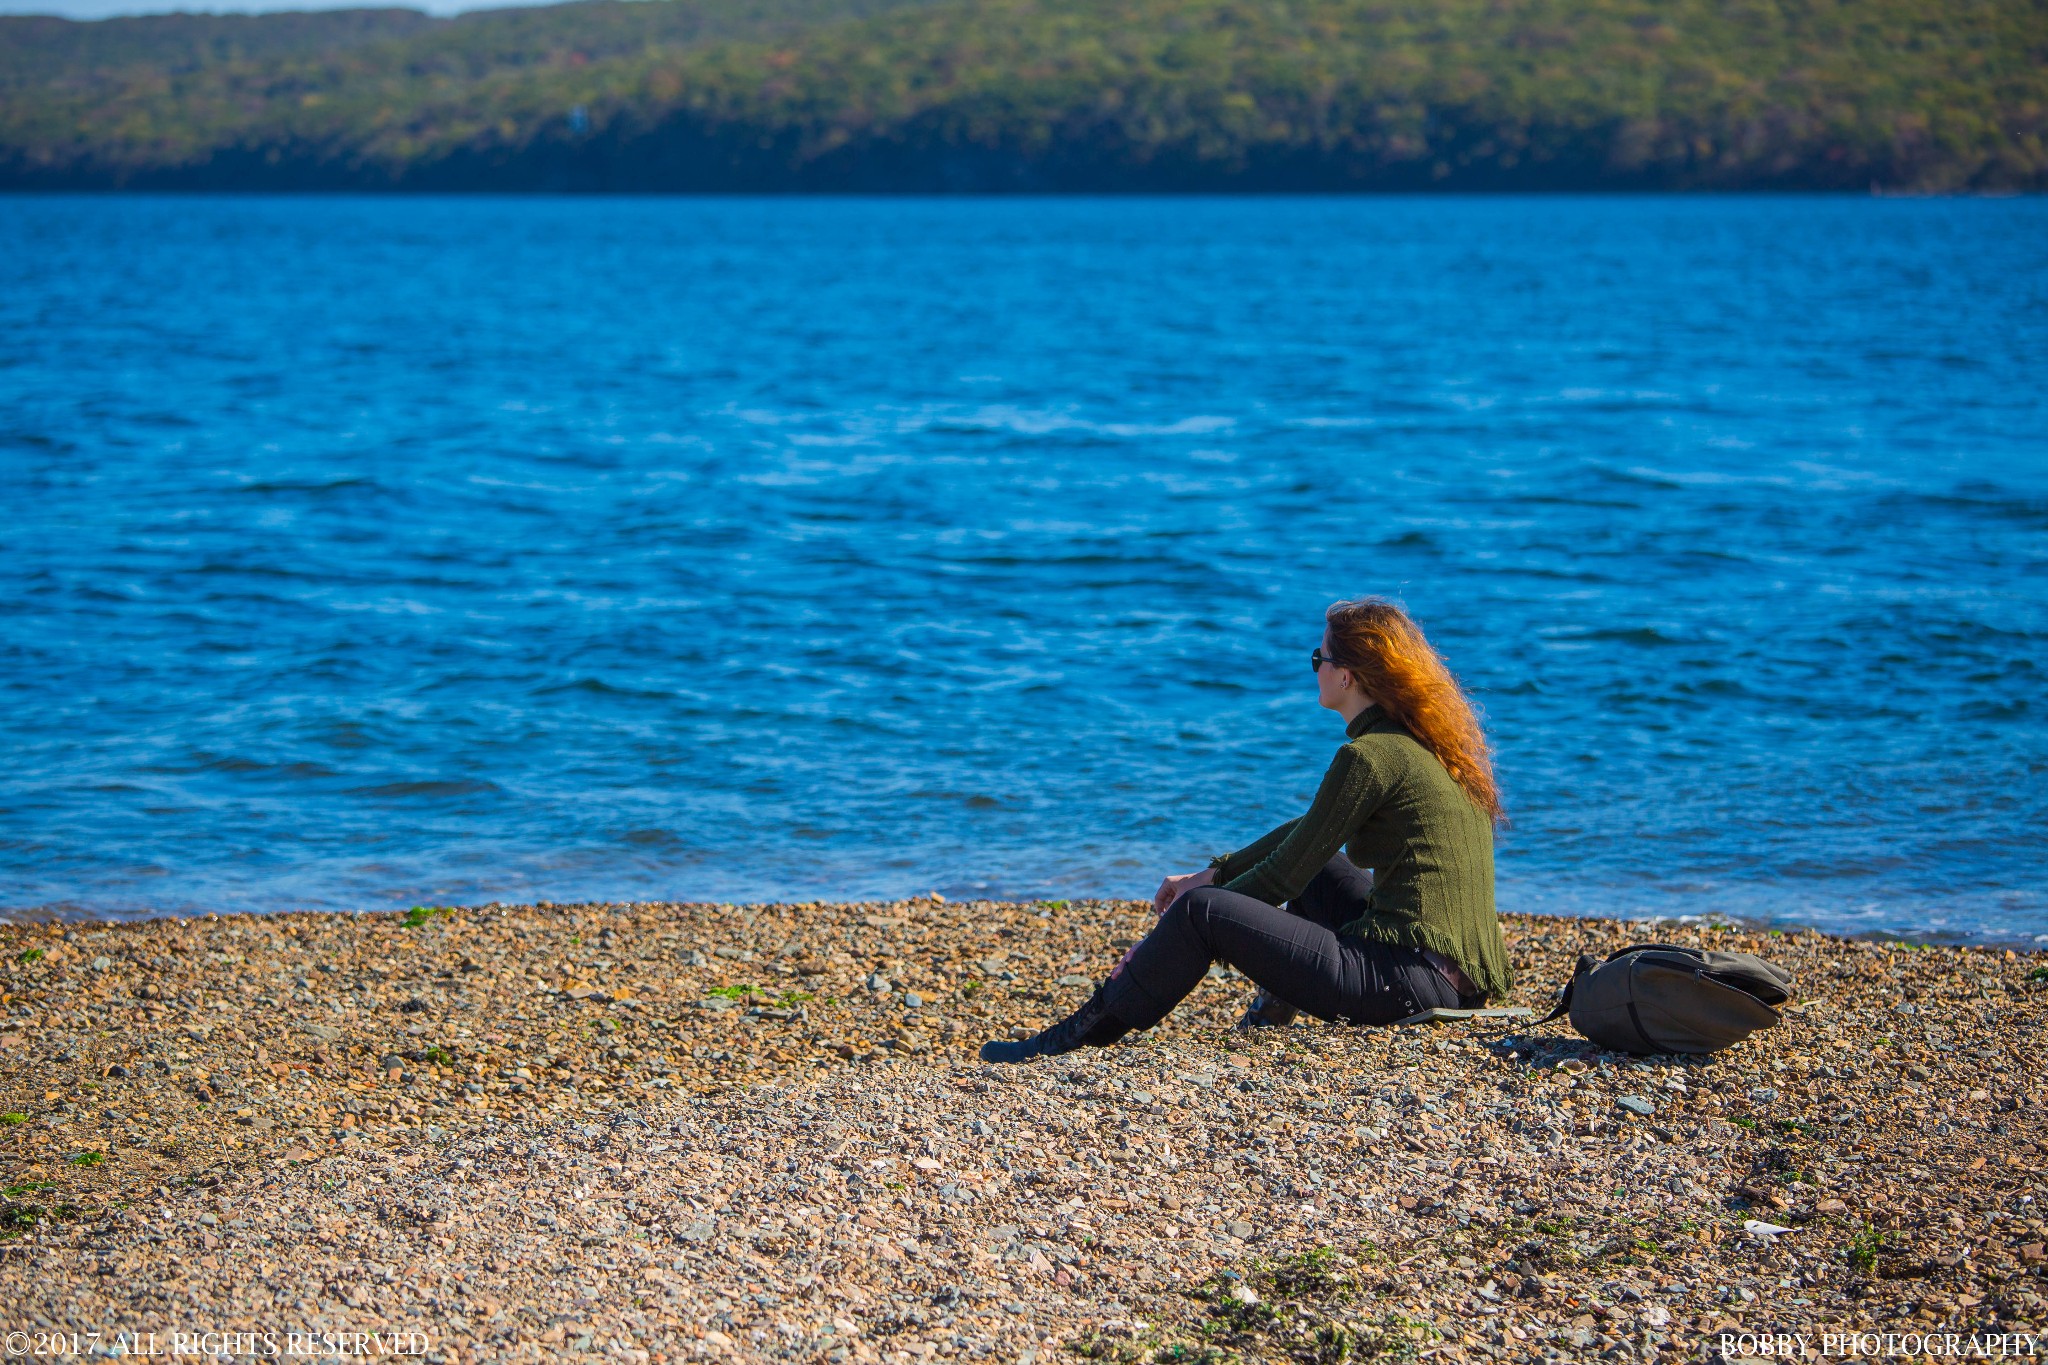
<point>1092,1025</point>
<point>1267,1010</point>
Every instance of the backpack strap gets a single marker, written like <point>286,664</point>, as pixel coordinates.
<point>1564,998</point>
<point>1563,1006</point>
<point>1652,947</point>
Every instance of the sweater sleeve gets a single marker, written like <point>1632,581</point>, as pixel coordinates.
<point>1228,865</point>
<point>1350,791</point>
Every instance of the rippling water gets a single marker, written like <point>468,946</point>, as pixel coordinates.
<point>364,552</point>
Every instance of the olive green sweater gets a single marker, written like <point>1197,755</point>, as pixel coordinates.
<point>1429,846</point>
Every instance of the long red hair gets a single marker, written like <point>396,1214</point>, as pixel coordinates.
<point>1386,653</point>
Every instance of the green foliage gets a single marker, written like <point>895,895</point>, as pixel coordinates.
<point>29,955</point>
<point>33,47</point>
<point>19,1218</point>
<point>87,1159</point>
<point>12,1117</point>
<point>26,1187</point>
<point>1866,1244</point>
<point>731,992</point>
<point>439,1056</point>
<point>1316,1272</point>
<point>1043,94</point>
<point>1320,1306</point>
<point>2038,974</point>
<point>420,914</point>
<point>1111,1350</point>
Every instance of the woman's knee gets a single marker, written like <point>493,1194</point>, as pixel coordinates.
<point>1217,917</point>
<point>1203,905</point>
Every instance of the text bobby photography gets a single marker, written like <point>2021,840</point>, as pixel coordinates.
<point>1153,682</point>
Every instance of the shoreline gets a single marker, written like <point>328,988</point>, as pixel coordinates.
<point>1985,940</point>
<point>760,1132</point>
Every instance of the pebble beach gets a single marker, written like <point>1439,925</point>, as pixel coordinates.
<point>658,1132</point>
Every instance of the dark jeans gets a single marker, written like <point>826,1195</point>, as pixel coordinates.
<point>1295,953</point>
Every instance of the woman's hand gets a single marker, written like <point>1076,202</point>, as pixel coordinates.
<point>1173,888</point>
<point>1169,891</point>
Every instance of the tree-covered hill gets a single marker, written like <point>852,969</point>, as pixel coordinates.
<point>43,50</point>
<point>1912,95</point>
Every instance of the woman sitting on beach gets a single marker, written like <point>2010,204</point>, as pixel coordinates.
<point>1411,795</point>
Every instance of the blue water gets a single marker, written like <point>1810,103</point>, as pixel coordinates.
<point>365,552</point>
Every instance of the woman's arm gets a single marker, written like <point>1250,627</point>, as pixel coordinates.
<point>1228,865</point>
<point>1351,790</point>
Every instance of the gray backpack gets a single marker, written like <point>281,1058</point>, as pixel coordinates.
<point>1658,997</point>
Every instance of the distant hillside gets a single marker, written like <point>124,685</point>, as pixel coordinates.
<point>38,50</point>
<point>1910,95</point>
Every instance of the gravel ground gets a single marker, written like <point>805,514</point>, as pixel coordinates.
<point>660,1132</point>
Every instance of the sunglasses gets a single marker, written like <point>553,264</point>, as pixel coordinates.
<point>1317,659</point>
